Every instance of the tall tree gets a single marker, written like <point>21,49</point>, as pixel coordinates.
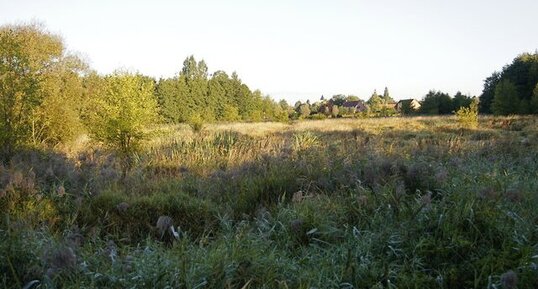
<point>375,102</point>
<point>386,96</point>
<point>338,99</point>
<point>488,93</point>
<point>125,109</point>
<point>523,74</point>
<point>195,76</point>
<point>436,102</point>
<point>33,65</point>
<point>460,100</point>
<point>58,118</point>
<point>506,100</point>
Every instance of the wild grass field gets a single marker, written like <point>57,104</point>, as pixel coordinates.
<point>348,203</point>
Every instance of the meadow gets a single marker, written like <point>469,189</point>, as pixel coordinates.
<point>418,202</point>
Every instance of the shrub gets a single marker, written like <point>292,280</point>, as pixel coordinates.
<point>468,116</point>
<point>196,122</point>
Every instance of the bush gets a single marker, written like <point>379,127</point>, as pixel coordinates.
<point>196,122</point>
<point>468,116</point>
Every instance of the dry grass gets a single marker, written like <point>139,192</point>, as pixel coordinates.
<point>350,203</point>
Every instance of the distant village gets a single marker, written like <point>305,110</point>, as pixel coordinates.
<point>352,106</point>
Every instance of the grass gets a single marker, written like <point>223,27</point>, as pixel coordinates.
<point>350,203</point>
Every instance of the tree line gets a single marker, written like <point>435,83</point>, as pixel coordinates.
<point>194,95</point>
<point>49,96</point>
<point>514,89</point>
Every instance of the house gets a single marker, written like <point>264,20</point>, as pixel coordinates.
<point>357,105</point>
<point>406,106</point>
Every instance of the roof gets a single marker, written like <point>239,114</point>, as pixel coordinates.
<point>409,100</point>
<point>354,103</point>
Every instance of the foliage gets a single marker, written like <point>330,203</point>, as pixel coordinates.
<point>58,118</point>
<point>506,100</point>
<point>522,73</point>
<point>460,100</point>
<point>488,93</point>
<point>468,116</point>
<point>196,122</point>
<point>534,100</point>
<point>386,96</point>
<point>436,102</point>
<point>375,103</point>
<point>319,204</point>
<point>304,110</point>
<point>33,61</point>
<point>123,111</point>
<point>217,98</point>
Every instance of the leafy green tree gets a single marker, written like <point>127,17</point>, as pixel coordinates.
<point>230,113</point>
<point>506,100</point>
<point>375,102</point>
<point>523,74</point>
<point>221,97</point>
<point>304,110</point>
<point>488,93</point>
<point>460,100</point>
<point>194,74</point>
<point>219,94</point>
<point>166,91</point>
<point>386,96</point>
<point>338,99</point>
<point>352,98</point>
<point>33,65</point>
<point>125,109</point>
<point>436,102</point>
<point>175,103</point>
<point>57,119</point>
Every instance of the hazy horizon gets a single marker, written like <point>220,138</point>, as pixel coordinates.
<point>299,50</point>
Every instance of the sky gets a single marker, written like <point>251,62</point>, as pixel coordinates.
<point>298,50</point>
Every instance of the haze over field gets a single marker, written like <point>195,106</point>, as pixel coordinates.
<point>303,49</point>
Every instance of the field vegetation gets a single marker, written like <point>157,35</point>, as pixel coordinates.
<point>379,203</point>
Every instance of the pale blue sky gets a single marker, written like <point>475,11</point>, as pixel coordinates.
<point>299,49</point>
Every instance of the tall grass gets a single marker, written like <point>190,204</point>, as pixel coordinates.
<point>350,203</point>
